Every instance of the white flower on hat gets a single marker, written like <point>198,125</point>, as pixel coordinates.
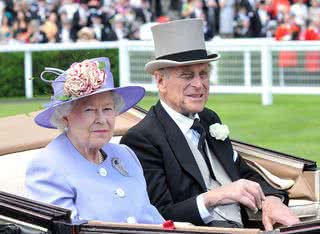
<point>219,131</point>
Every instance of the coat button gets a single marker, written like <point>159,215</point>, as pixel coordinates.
<point>103,172</point>
<point>120,192</point>
<point>131,219</point>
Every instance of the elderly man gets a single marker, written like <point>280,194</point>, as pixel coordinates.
<point>193,174</point>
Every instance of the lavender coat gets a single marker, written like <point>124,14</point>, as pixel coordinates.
<point>61,176</point>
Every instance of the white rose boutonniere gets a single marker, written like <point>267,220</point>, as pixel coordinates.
<point>219,131</point>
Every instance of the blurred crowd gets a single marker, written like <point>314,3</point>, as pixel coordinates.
<point>42,21</point>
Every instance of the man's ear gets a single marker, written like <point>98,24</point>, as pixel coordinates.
<point>161,81</point>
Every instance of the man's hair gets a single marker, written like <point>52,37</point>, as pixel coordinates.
<point>165,71</point>
<point>65,109</point>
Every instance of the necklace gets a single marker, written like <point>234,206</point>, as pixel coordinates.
<point>101,157</point>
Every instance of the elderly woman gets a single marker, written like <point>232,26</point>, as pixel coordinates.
<point>80,170</point>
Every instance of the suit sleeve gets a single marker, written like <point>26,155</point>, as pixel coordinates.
<point>150,155</point>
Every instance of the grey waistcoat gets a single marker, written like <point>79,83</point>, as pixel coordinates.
<point>221,212</point>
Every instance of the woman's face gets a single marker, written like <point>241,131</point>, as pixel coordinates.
<point>20,15</point>
<point>53,17</point>
<point>91,121</point>
<point>5,20</point>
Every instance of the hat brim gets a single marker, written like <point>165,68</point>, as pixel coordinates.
<point>154,65</point>
<point>131,95</point>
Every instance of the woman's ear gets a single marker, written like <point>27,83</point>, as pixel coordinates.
<point>65,121</point>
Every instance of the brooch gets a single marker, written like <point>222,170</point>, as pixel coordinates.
<point>117,164</point>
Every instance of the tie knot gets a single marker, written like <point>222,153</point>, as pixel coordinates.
<point>197,126</point>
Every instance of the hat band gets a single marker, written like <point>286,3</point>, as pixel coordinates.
<point>186,56</point>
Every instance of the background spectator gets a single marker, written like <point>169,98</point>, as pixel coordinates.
<point>35,34</point>
<point>86,34</point>
<point>119,28</point>
<point>242,23</point>
<point>6,32</point>
<point>80,18</point>
<point>50,26</point>
<point>314,11</point>
<point>312,58</point>
<point>267,23</point>
<point>20,25</point>
<point>227,14</point>
<point>64,28</point>
<point>288,30</point>
<point>213,15</point>
<point>300,12</point>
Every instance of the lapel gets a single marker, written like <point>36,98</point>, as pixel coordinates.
<point>179,145</point>
<point>222,149</point>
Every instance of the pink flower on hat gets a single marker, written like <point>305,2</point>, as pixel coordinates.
<point>83,78</point>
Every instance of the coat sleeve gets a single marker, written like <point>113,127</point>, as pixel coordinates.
<point>45,184</point>
<point>153,210</point>
<point>150,153</point>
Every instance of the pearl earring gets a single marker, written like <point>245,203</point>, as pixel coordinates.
<point>65,129</point>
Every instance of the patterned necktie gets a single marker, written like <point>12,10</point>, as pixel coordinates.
<point>201,144</point>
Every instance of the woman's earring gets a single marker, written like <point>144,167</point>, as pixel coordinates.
<point>65,129</point>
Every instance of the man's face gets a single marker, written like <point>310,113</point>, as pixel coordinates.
<point>185,88</point>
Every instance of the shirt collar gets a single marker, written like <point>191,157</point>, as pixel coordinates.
<point>183,122</point>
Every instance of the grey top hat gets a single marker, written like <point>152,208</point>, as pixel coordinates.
<point>179,43</point>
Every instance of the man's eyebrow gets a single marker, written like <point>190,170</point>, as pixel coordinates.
<point>186,71</point>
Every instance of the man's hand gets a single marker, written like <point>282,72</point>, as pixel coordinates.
<point>242,191</point>
<point>274,211</point>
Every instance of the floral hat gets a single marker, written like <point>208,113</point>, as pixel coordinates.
<point>81,80</point>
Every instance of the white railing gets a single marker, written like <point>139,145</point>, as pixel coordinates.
<point>246,65</point>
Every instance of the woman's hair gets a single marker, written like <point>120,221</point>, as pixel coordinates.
<point>65,109</point>
<point>118,102</point>
<point>60,112</point>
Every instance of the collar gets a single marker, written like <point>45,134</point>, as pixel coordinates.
<point>183,122</point>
